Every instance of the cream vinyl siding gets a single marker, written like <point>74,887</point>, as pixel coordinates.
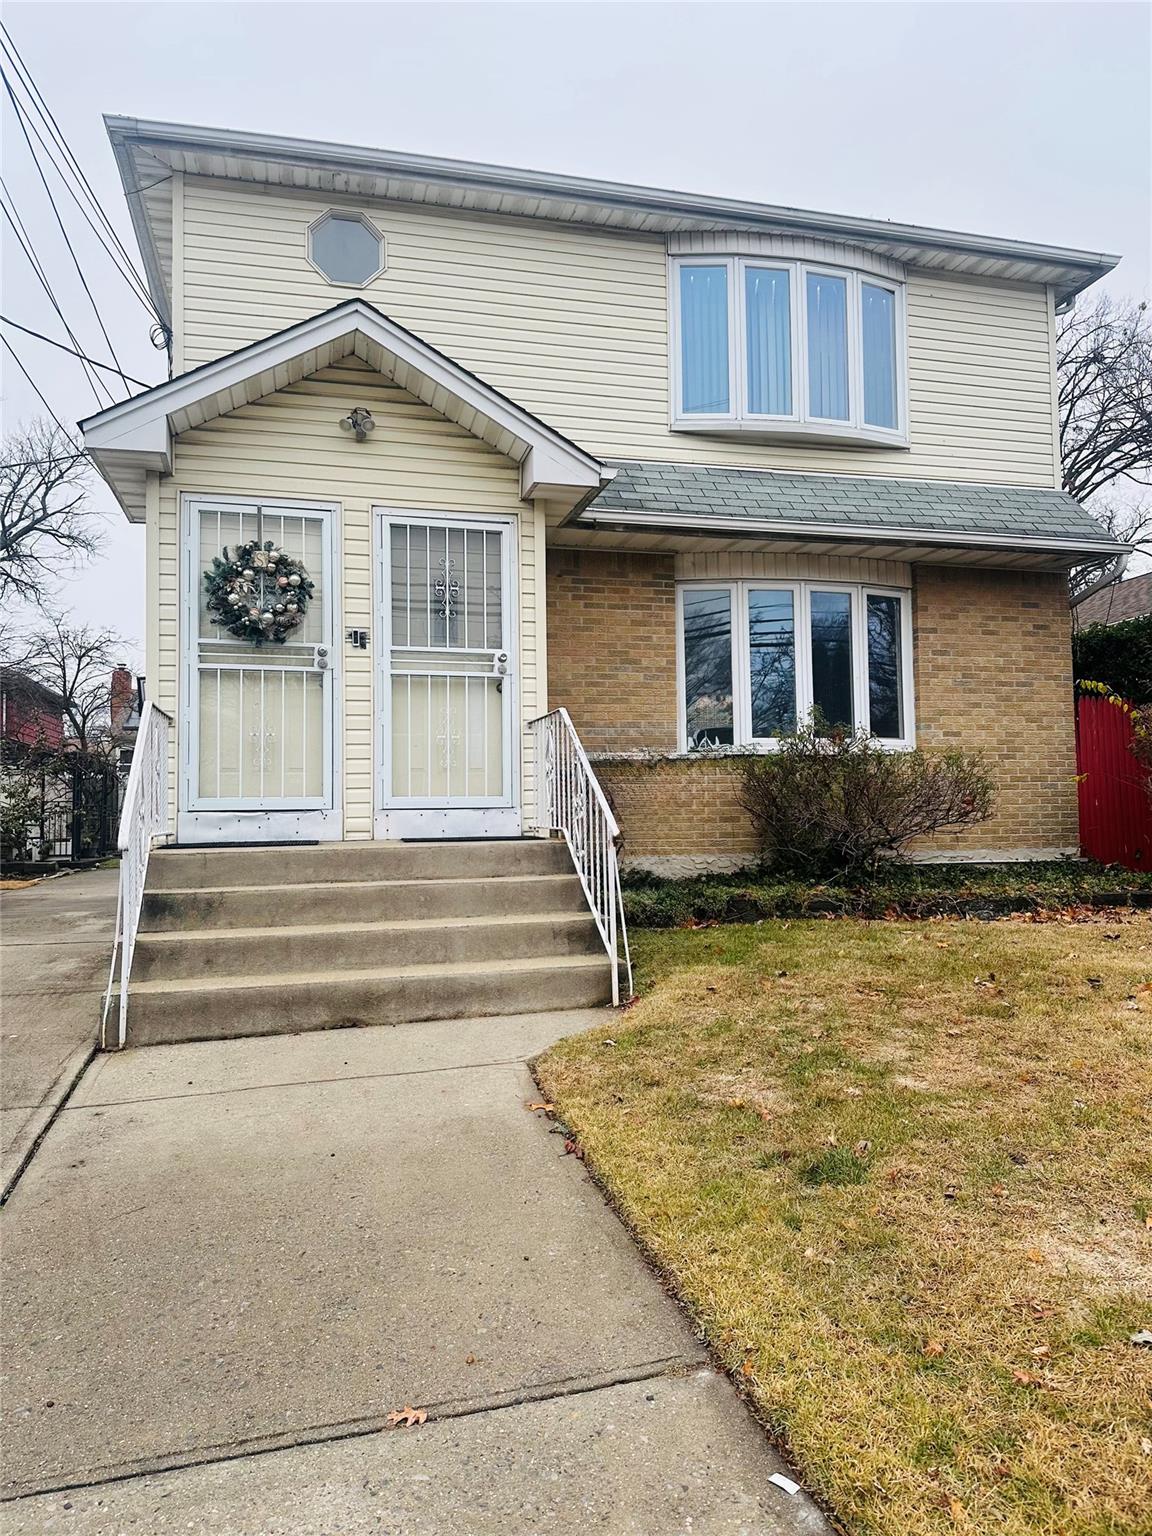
<point>289,444</point>
<point>572,323</point>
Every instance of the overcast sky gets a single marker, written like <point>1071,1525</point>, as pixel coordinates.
<point>1029,120</point>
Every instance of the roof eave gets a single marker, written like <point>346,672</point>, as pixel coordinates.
<point>1072,551</point>
<point>652,200</point>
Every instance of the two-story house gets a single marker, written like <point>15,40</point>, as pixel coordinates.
<point>447,445</point>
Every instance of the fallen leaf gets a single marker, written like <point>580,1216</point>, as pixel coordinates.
<point>1034,1256</point>
<point>956,1510</point>
<point>408,1416</point>
<point>540,1104</point>
<point>747,1368</point>
<point>861,1150</point>
<point>1041,1352</point>
<point>573,1148</point>
<point>1027,1378</point>
<point>933,1348</point>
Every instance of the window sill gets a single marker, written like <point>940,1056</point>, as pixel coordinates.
<point>794,432</point>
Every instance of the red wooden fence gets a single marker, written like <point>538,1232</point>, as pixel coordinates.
<point>1115,808</point>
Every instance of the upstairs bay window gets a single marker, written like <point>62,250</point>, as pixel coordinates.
<point>759,658</point>
<point>786,347</point>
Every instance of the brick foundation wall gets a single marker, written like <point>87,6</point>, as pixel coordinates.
<point>612,647</point>
<point>680,816</point>
<point>992,654</point>
<point>993,664</point>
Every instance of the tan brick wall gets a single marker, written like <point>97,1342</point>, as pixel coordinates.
<point>993,673</point>
<point>993,665</point>
<point>679,809</point>
<point>612,647</point>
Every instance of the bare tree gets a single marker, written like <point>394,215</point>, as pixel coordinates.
<point>1104,367</point>
<point>77,664</point>
<point>46,520</point>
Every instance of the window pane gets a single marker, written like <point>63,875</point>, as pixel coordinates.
<point>345,249</point>
<point>708,667</point>
<point>832,658</point>
<point>772,647</point>
<point>766,297</point>
<point>878,320</point>
<point>704,339</point>
<point>885,695</point>
<point>827,346</point>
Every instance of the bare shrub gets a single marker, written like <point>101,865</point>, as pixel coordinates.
<point>834,804</point>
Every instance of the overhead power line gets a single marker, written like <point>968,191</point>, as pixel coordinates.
<point>13,216</point>
<point>107,233</point>
<point>20,114</point>
<point>36,388</point>
<point>91,361</point>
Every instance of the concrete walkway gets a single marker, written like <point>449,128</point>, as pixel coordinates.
<point>228,1262</point>
<point>55,945</point>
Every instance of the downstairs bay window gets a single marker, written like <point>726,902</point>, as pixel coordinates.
<point>789,348</point>
<point>760,658</point>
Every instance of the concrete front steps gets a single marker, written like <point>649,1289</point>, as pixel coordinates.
<point>258,941</point>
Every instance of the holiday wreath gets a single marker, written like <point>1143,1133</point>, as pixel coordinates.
<point>258,592</point>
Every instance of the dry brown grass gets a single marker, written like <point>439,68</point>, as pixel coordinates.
<point>901,1174</point>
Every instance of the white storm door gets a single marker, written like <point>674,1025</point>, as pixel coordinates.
<point>260,718</point>
<point>448,684</point>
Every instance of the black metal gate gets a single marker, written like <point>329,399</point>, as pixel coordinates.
<point>74,808</point>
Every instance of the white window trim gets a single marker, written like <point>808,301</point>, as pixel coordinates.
<point>800,423</point>
<point>362,218</point>
<point>801,609</point>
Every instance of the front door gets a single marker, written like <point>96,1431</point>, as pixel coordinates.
<point>259,764</point>
<point>447,689</point>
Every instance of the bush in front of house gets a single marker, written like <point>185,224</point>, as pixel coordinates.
<point>902,890</point>
<point>833,803</point>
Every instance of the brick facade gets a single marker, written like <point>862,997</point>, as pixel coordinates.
<point>612,647</point>
<point>992,657</point>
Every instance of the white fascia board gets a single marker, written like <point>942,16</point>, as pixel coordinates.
<point>765,528</point>
<point>1084,267</point>
<point>142,423</point>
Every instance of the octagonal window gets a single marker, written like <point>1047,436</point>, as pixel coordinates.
<point>346,248</point>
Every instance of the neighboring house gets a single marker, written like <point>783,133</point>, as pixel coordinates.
<point>1130,599</point>
<point>686,466</point>
<point>31,715</point>
<point>125,701</point>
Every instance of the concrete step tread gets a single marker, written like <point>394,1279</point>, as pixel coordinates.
<point>322,929</point>
<point>356,885</point>
<point>294,981</point>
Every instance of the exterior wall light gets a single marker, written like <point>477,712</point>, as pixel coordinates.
<point>359,421</point>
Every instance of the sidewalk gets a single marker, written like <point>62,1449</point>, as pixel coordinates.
<point>55,945</point>
<point>228,1262</point>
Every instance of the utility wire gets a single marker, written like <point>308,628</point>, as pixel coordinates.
<point>120,256</point>
<point>36,389</point>
<point>16,107</point>
<point>91,361</point>
<point>13,216</point>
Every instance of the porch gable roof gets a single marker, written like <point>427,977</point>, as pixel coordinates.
<point>128,440</point>
<point>752,503</point>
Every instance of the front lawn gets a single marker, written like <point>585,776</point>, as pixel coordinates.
<point>900,1172</point>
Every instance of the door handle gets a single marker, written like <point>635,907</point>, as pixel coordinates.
<point>500,663</point>
<point>321,657</point>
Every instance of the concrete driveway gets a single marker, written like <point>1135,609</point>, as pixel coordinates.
<point>228,1262</point>
<point>55,945</point>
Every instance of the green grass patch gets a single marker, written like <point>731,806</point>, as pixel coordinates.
<point>899,1173</point>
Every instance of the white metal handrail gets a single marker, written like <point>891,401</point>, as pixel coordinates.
<point>572,802</point>
<point>143,819</point>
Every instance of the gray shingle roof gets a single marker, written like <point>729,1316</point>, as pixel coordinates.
<point>669,492</point>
